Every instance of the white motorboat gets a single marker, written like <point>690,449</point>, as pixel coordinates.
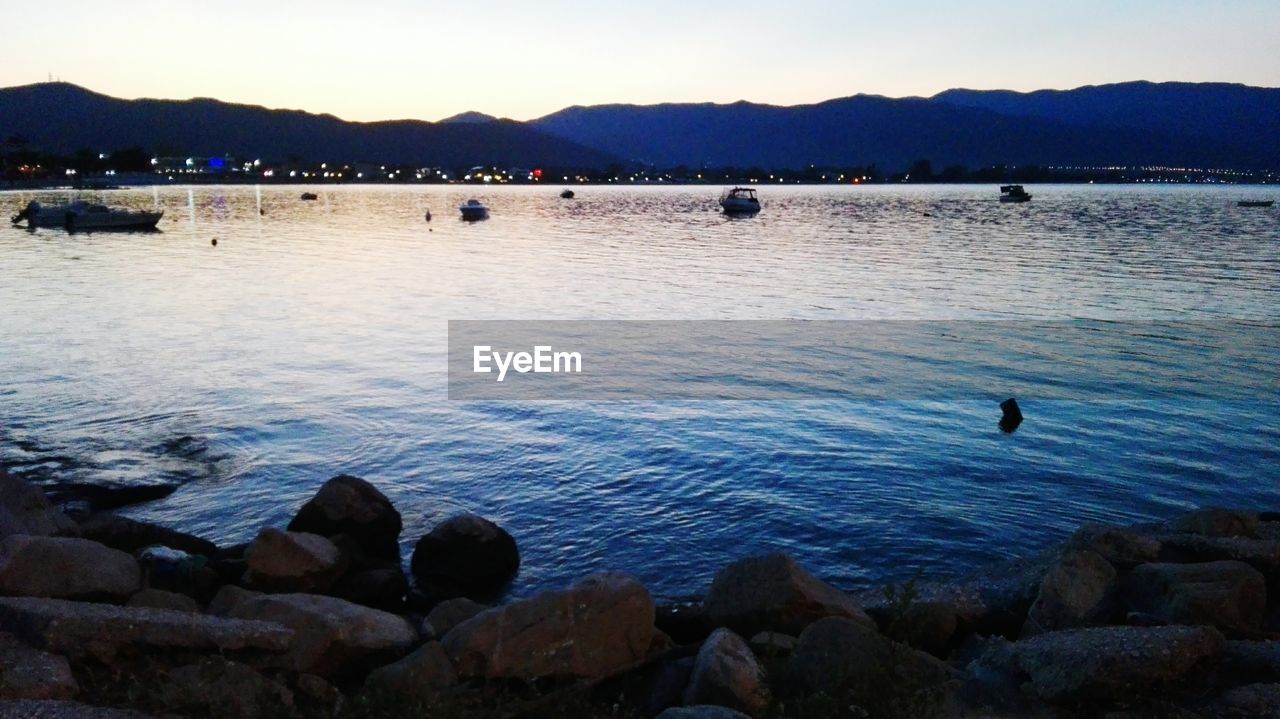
<point>1013,193</point>
<point>474,210</point>
<point>740,201</point>
<point>84,216</point>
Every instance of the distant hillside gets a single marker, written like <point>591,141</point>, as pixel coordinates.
<point>63,118</point>
<point>1134,124</point>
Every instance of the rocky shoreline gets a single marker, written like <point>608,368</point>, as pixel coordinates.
<point>104,616</point>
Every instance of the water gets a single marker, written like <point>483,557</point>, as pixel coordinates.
<point>311,341</point>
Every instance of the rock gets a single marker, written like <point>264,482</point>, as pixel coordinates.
<point>160,599</point>
<point>1253,700</point>
<point>725,673</point>
<point>332,636</point>
<point>77,628</point>
<point>838,654</point>
<point>1247,662</point>
<point>103,497</point>
<point>228,598</point>
<point>927,626</point>
<point>1078,591</point>
<point>131,535</point>
<point>1229,595</point>
<point>466,555</point>
<point>35,709</point>
<point>705,711</point>
<point>773,644</point>
<point>450,613</point>
<point>379,588</point>
<point>65,567</point>
<point>317,696</point>
<point>27,673</point>
<point>599,626</point>
<point>1212,522</point>
<point>1116,663</point>
<point>421,676</point>
<point>666,683</point>
<point>685,622</point>
<point>221,688</point>
<point>295,562</point>
<point>24,509</point>
<point>1011,415</point>
<point>351,506</point>
<point>1261,554</point>
<point>771,591</point>
<point>1122,547</point>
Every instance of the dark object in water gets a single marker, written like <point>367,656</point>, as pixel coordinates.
<point>1255,203</point>
<point>566,194</point>
<point>310,196</point>
<point>100,497</point>
<point>428,215</point>
<point>214,242</point>
<point>1012,415</point>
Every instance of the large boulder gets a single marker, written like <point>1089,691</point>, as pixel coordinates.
<point>217,687</point>
<point>293,562</point>
<point>28,673</point>
<point>837,655</point>
<point>24,509</point>
<point>65,567</point>
<point>1247,662</point>
<point>450,613</point>
<point>332,636</point>
<point>1215,522</point>
<point>78,628</point>
<point>599,626</point>
<point>773,592</point>
<point>350,506</point>
<point>1103,664</point>
<point>130,535</point>
<point>1229,595</point>
<point>1078,591</point>
<point>422,676</point>
<point>1121,546</point>
<point>726,673</point>
<point>466,555</point>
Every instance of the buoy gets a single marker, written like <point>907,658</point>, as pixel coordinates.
<point>214,242</point>
<point>1012,415</point>
<point>428,215</point>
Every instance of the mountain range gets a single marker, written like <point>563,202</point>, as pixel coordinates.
<point>1206,125</point>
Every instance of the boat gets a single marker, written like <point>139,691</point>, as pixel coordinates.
<point>740,201</point>
<point>566,194</point>
<point>84,216</point>
<point>1013,193</point>
<point>308,196</point>
<point>474,210</point>
<point>1255,203</point>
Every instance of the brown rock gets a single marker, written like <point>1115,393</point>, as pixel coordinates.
<point>27,673</point>
<point>771,591</point>
<point>422,676</point>
<point>293,562</point>
<point>65,567</point>
<point>1078,591</point>
<point>24,509</point>
<point>726,673</point>
<point>350,506</point>
<point>1229,595</point>
<point>598,626</point>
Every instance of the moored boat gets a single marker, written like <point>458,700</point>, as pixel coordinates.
<point>740,201</point>
<point>474,210</point>
<point>1255,203</point>
<point>566,194</point>
<point>84,216</point>
<point>1013,193</point>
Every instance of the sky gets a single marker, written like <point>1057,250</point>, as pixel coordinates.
<point>423,59</point>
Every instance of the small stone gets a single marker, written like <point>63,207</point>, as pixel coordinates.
<point>725,673</point>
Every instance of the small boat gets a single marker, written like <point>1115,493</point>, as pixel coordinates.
<point>1013,193</point>
<point>1255,203</point>
<point>83,216</point>
<point>566,194</point>
<point>740,201</point>
<point>308,196</point>
<point>473,210</point>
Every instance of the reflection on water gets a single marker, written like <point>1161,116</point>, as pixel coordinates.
<point>311,341</point>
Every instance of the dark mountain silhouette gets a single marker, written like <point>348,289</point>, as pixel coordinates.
<point>1174,124</point>
<point>63,118</point>
<point>470,117</point>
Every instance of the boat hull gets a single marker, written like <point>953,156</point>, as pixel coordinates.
<point>87,222</point>
<point>739,207</point>
<point>1010,198</point>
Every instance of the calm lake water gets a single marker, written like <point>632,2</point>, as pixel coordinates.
<point>311,341</point>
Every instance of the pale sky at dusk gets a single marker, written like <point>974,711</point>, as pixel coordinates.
<point>392,59</point>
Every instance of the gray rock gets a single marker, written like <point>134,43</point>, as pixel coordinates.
<point>131,535</point>
<point>1227,594</point>
<point>332,636</point>
<point>79,628</point>
<point>1121,546</point>
<point>1115,663</point>
<point>725,673</point>
<point>466,555</point>
<point>1214,522</point>
<point>33,709</point>
<point>705,711</point>
<point>450,613</point>
<point>160,599</point>
<point>836,654</point>
<point>221,688</point>
<point>422,676</point>
<point>24,509</point>
<point>772,592</point>
<point>599,626</point>
<point>27,673</point>
<point>229,597</point>
<point>295,562</point>
<point>1078,591</point>
<point>1261,554</point>
<point>350,506</point>
<point>65,567</point>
